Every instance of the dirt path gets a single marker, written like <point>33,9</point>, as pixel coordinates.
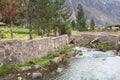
<point>114,33</point>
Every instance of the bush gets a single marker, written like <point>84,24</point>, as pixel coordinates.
<point>106,46</point>
<point>65,29</point>
<point>17,22</point>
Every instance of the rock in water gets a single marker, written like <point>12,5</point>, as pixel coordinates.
<point>19,78</point>
<point>36,76</point>
<point>118,49</point>
<point>59,70</point>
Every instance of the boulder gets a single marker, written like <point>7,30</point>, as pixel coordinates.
<point>36,76</point>
<point>57,59</point>
<point>59,70</point>
<point>20,78</point>
<point>118,49</point>
<point>25,68</point>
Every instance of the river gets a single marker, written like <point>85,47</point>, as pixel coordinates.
<point>92,65</point>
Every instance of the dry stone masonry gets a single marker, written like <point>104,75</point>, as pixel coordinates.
<point>17,51</point>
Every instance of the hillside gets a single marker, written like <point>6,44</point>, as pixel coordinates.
<point>104,11</point>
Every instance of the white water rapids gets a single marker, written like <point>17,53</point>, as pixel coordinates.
<point>92,65</point>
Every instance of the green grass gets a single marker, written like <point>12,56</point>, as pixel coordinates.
<point>15,30</point>
<point>106,46</point>
<point>40,61</point>
<point>101,46</point>
<point>18,33</point>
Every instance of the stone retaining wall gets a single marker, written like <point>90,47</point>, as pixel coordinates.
<point>110,38</point>
<point>17,51</point>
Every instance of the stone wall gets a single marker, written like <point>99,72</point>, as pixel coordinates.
<point>17,51</point>
<point>110,38</point>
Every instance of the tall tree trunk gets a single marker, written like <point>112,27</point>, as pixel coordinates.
<point>11,31</point>
<point>30,30</point>
<point>55,31</point>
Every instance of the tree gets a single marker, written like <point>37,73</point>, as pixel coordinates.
<point>64,28</point>
<point>42,17</point>
<point>92,24</point>
<point>64,14</point>
<point>73,25</point>
<point>50,15</point>
<point>30,10</point>
<point>0,2</point>
<point>81,20</point>
<point>10,11</point>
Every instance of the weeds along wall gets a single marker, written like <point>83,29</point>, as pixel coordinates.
<point>18,51</point>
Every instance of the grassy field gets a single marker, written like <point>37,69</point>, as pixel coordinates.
<point>19,33</point>
<point>23,33</point>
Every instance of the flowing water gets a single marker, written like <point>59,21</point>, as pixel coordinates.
<point>92,65</point>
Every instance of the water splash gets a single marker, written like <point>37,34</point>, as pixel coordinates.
<point>93,65</point>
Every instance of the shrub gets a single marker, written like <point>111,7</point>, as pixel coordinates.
<point>106,46</point>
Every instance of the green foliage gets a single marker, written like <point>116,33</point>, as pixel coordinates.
<point>100,46</point>
<point>3,71</point>
<point>81,20</point>
<point>41,61</point>
<point>106,46</point>
<point>103,46</point>
<point>65,14</point>
<point>53,54</point>
<point>1,3</point>
<point>73,25</point>
<point>7,68</point>
<point>45,17</point>
<point>65,29</point>
<point>67,49</point>
<point>92,24</point>
<point>17,22</point>
<point>51,17</point>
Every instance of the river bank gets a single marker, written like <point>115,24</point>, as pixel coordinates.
<point>46,62</point>
<point>56,60</point>
<point>92,65</point>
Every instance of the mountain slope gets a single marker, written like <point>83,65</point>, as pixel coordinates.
<point>104,11</point>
